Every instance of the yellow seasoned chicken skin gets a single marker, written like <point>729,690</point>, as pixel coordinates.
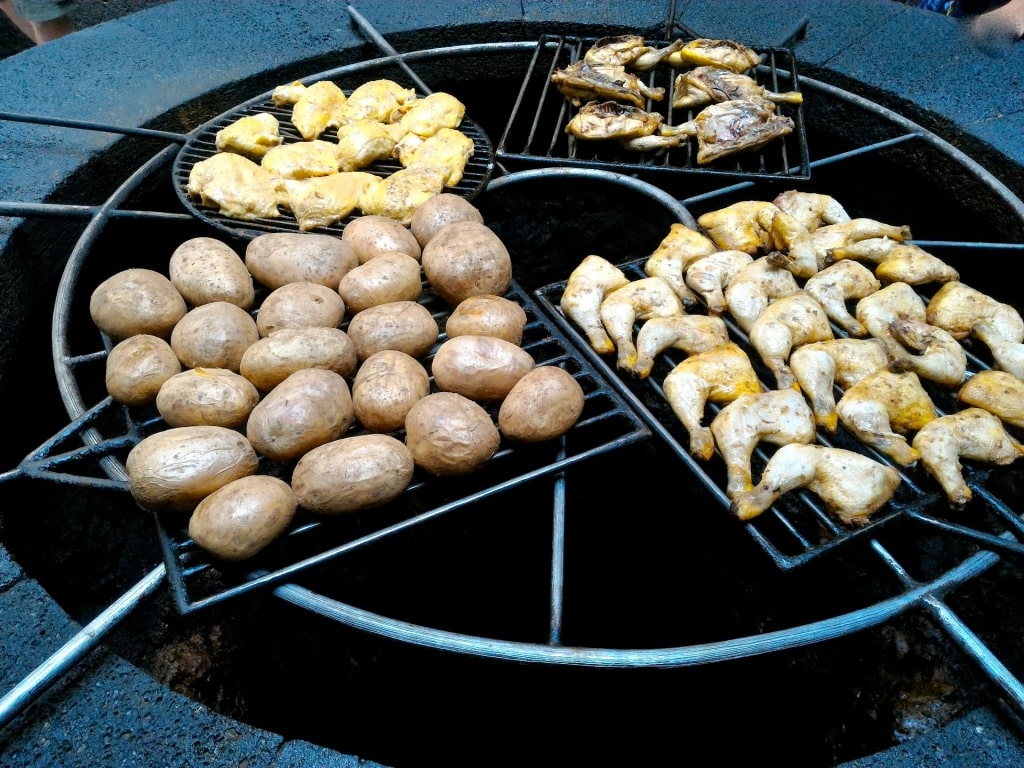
<point>302,160</point>
<point>380,100</point>
<point>705,51</point>
<point>448,150</point>
<point>637,300</point>
<point>361,143</point>
<point>428,115</point>
<point>251,135</point>
<point>236,186</point>
<point>317,109</point>
<point>594,278</point>
<point>286,95</point>
<point>323,200</point>
<point>997,392</point>
<point>401,193</point>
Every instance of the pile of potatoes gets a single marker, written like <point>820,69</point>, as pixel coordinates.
<point>346,417</point>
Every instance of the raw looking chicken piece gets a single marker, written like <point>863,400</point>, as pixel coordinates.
<point>637,300</point>
<point>603,120</point>
<point>251,135</point>
<point>794,247</point>
<point>236,186</point>
<point>839,283</point>
<point>691,334</point>
<point>580,82</point>
<point>708,276</point>
<point>973,434</point>
<point>776,417</point>
<point>884,407</point>
<point>811,209</point>
<point>897,262</point>
<point>717,376</point>
<point>998,392</point>
<point>680,248</point>
<point>927,350</point>
<point>630,51</point>
<point>400,194</point>
<point>317,109</point>
<point>736,126</point>
<point>957,307</point>
<point>823,365</point>
<point>754,287</point>
<point>377,100</point>
<point>852,486</point>
<point>361,143</point>
<point>1007,355</point>
<point>877,311</point>
<point>428,115</point>
<point>302,160</point>
<point>709,85</point>
<point>448,150</point>
<point>744,226</point>
<point>286,95</point>
<point>724,54</point>
<point>325,200</point>
<point>594,278</point>
<point>787,323</point>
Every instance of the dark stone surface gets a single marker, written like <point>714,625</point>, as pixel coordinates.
<point>130,70</point>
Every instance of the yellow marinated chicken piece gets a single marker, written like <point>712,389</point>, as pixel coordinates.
<point>363,142</point>
<point>428,115</point>
<point>380,100</point>
<point>637,300</point>
<point>235,185</point>
<point>401,193</point>
<point>997,392</point>
<point>593,279</point>
<point>302,160</point>
<point>317,109</point>
<point>449,150</point>
<point>251,135</point>
<point>324,200</point>
<point>724,54</point>
<point>288,94</point>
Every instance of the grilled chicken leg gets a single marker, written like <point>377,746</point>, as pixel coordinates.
<point>680,248</point>
<point>957,307</point>
<point>972,433</point>
<point>837,284</point>
<point>927,350</point>
<point>852,486</point>
<point>896,261</point>
<point>708,276</point>
<point>811,209</point>
<point>819,367</point>
<point>1007,355</point>
<point>581,82</point>
<point>743,226</point>
<point>593,279</point>
<point>705,85</point>
<point>691,334</point>
<point>729,127</point>
<point>637,300</point>
<point>754,287</point>
<point>777,417</point>
<point>784,324</point>
<point>998,392</point>
<point>630,51</point>
<point>719,376</point>
<point>878,310</point>
<point>706,51</point>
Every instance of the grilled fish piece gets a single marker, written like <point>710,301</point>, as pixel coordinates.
<point>580,82</point>
<point>735,126</point>
<point>724,54</point>
<point>709,85</point>
<point>628,51</point>
<point>599,120</point>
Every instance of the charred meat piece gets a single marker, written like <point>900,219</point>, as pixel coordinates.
<point>710,85</point>
<point>724,54</point>
<point>735,126</point>
<point>628,51</point>
<point>580,82</point>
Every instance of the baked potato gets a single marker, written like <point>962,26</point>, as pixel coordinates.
<point>387,277</point>
<point>487,315</point>
<point>278,258</point>
<point>374,234</point>
<point>274,358</point>
<point>403,325</point>
<point>214,396</point>
<point>543,405</point>
<point>214,335</point>
<point>137,367</point>
<point>483,368</point>
<point>466,258</point>
<point>205,269</point>
<point>136,301</point>
<point>300,305</point>
<point>386,386</point>
<point>241,518</point>
<point>450,435</point>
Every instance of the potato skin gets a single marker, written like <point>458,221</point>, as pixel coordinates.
<point>386,386</point>
<point>278,258</point>
<point>375,234</point>
<point>482,368</point>
<point>214,335</point>
<point>431,216</point>
<point>136,301</point>
<point>241,518</point>
<point>179,467</point>
<point>353,473</point>
<point>403,325</point>
<point>300,305</point>
<point>450,435</point>
<point>214,396</point>
<point>387,277</point>
<point>309,408</point>
<point>544,404</point>
<point>273,358</point>
<point>205,269</point>
<point>466,258</point>
<point>487,315</point>
<point>137,367</point>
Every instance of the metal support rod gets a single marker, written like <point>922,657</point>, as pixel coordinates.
<point>385,47</point>
<point>557,554</point>
<point>86,125</point>
<point>76,649</point>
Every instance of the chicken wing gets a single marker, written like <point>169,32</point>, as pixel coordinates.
<point>877,311</point>
<point>630,51</point>
<point>719,375</point>
<point>744,226</point>
<point>897,262</point>
<point>973,434</point>
<point>691,334</point>
<point>581,82</point>
<point>884,407</point>
<point>839,283</point>
<point>730,127</point>
<point>705,85</point>
<point>777,417</point>
<point>251,135</point>
<point>957,307</point>
<point>235,185</point>
<point>594,278</point>
<point>705,51</point>
<point>784,324</point>
<point>1007,355</point>
<point>927,350</point>
<point>852,486</point>
<point>637,300</point>
<point>708,276</point>
<point>811,209</point>
<point>680,248</point>
<point>998,392</point>
<point>821,366</point>
<point>756,286</point>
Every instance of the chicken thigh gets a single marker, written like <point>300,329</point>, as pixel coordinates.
<point>927,350</point>
<point>998,392</point>
<point>637,300</point>
<point>602,120</point>
<point>706,51</point>
<point>379,100</point>
<point>821,366</point>
<point>743,226</point>
<point>884,407</point>
<point>852,486</point>
<point>448,150</point>
<point>594,278</point>
<point>581,82</point>
<point>839,283</point>
<point>784,324</point>
<point>755,287</point>
<point>708,276</point>
<point>630,51</point>
<point>362,142</point>
<point>324,200</point>
<point>719,375</point>
<point>957,307</point>
<point>897,262</point>
<point>680,248</point>
<point>251,135</point>
<point>691,334</point>
<point>317,109</point>
<point>425,117</point>
<point>302,159</point>
<point>236,186</point>
<point>877,311</point>
<point>972,433</point>
<point>777,417</point>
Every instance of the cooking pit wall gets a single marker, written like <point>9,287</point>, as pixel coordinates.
<point>488,575</point>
